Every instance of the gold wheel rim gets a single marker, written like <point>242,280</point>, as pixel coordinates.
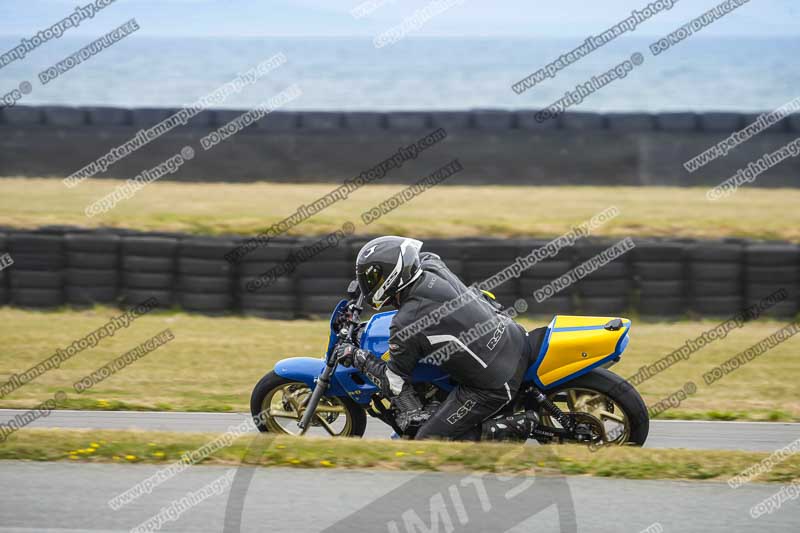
<point>615,421</point>
<point>283,407</point>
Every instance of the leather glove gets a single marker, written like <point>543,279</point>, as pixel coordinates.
<point>349,354</point>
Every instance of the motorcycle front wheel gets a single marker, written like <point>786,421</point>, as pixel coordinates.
<point>277,405</point>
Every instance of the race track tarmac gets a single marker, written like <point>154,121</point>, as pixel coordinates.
<point>699,435</point>
<point>68,498</point>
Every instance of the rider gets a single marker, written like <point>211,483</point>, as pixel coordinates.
<point>489,369</point>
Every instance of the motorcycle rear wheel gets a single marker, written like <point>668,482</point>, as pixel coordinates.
<point>609,399</point>
<point>282,403</point>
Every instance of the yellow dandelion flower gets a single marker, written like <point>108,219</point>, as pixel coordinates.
<point>151,444</point>
<point>90,450</point>
<point>326,463</point>
<point>400,454</point>
<point>73,457</point>
<point>159,454</point>
<point>294,461</point>
<point>280,446</point>
<point>540,463</point>
<point>116,457</point>
<point>94,445</point>
<point>130,457</point>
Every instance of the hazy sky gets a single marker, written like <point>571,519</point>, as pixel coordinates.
<point>497,18</point>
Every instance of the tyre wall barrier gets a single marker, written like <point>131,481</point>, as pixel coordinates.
<point>507,147</point>
<point>658,278</point>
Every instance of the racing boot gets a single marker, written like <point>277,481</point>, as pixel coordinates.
<point>517,427</point>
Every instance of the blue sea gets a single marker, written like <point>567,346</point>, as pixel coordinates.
<point>700,74</point>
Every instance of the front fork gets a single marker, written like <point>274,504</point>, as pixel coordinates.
<point>323,382</point>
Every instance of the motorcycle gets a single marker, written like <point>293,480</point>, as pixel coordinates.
<point>568,385</point>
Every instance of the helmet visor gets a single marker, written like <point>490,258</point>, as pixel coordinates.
<point>370,279</point>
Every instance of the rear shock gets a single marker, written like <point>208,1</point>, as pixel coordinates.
<point>565,421</point>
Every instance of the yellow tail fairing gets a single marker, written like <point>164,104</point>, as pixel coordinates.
<point>573,345</point>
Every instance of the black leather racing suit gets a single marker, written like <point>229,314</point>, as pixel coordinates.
<point>488,368</point>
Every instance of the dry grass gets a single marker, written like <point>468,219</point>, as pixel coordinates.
<point>450,211</point>
<point>213,363</point>
<point>165,448</point>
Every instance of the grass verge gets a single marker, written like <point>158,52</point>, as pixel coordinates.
<point>214,363</point>
<point>163,448</point>
<point>449,211</point>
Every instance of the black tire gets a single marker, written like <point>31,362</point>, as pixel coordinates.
<point>90,278</point>
<point>755,291</point>
<point>658,251</point>
<point>92,242</point>
<point>771,275</point>
<point>257,268</point>
<point>655,271</point>
<point>715,252</point>
<point>772,254</point>
<point>282,285</point>
<point>612,287</point>
<point>36,279</point>
<point>491,250</point>
<point>326,269</point>
<point>781,310</point>
<point>206,302</point>
<point>547,269</point>
<point>137,296</point>
<point>605,306</point>
<point>702,289</point>
<point>480,270</point>
<point>715,271</point>
<point>271,380</point>
<point>662,306</point>
<point>312,286</point>
<point>137,263</point>
<point>718,305</point>
<point>621,392</point>
<point>558,305</point>
<point>205,248</point>
<point>92,261</point>
<point>38,261</point>
<point>651,289</point>
<point>205,284</point>
<point>35,243</point>
<point>91,295</point>
<point>613,270</point>
<point>270,252</point>
<point>267,302</point>
<point>204,267</point>
<point>444,248</point>
<point>529,285</point>
<point>37,297</point>
<point>148,280</point>
<point>149,246</point>
<point>586,249</point>
<point>319,305</point>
